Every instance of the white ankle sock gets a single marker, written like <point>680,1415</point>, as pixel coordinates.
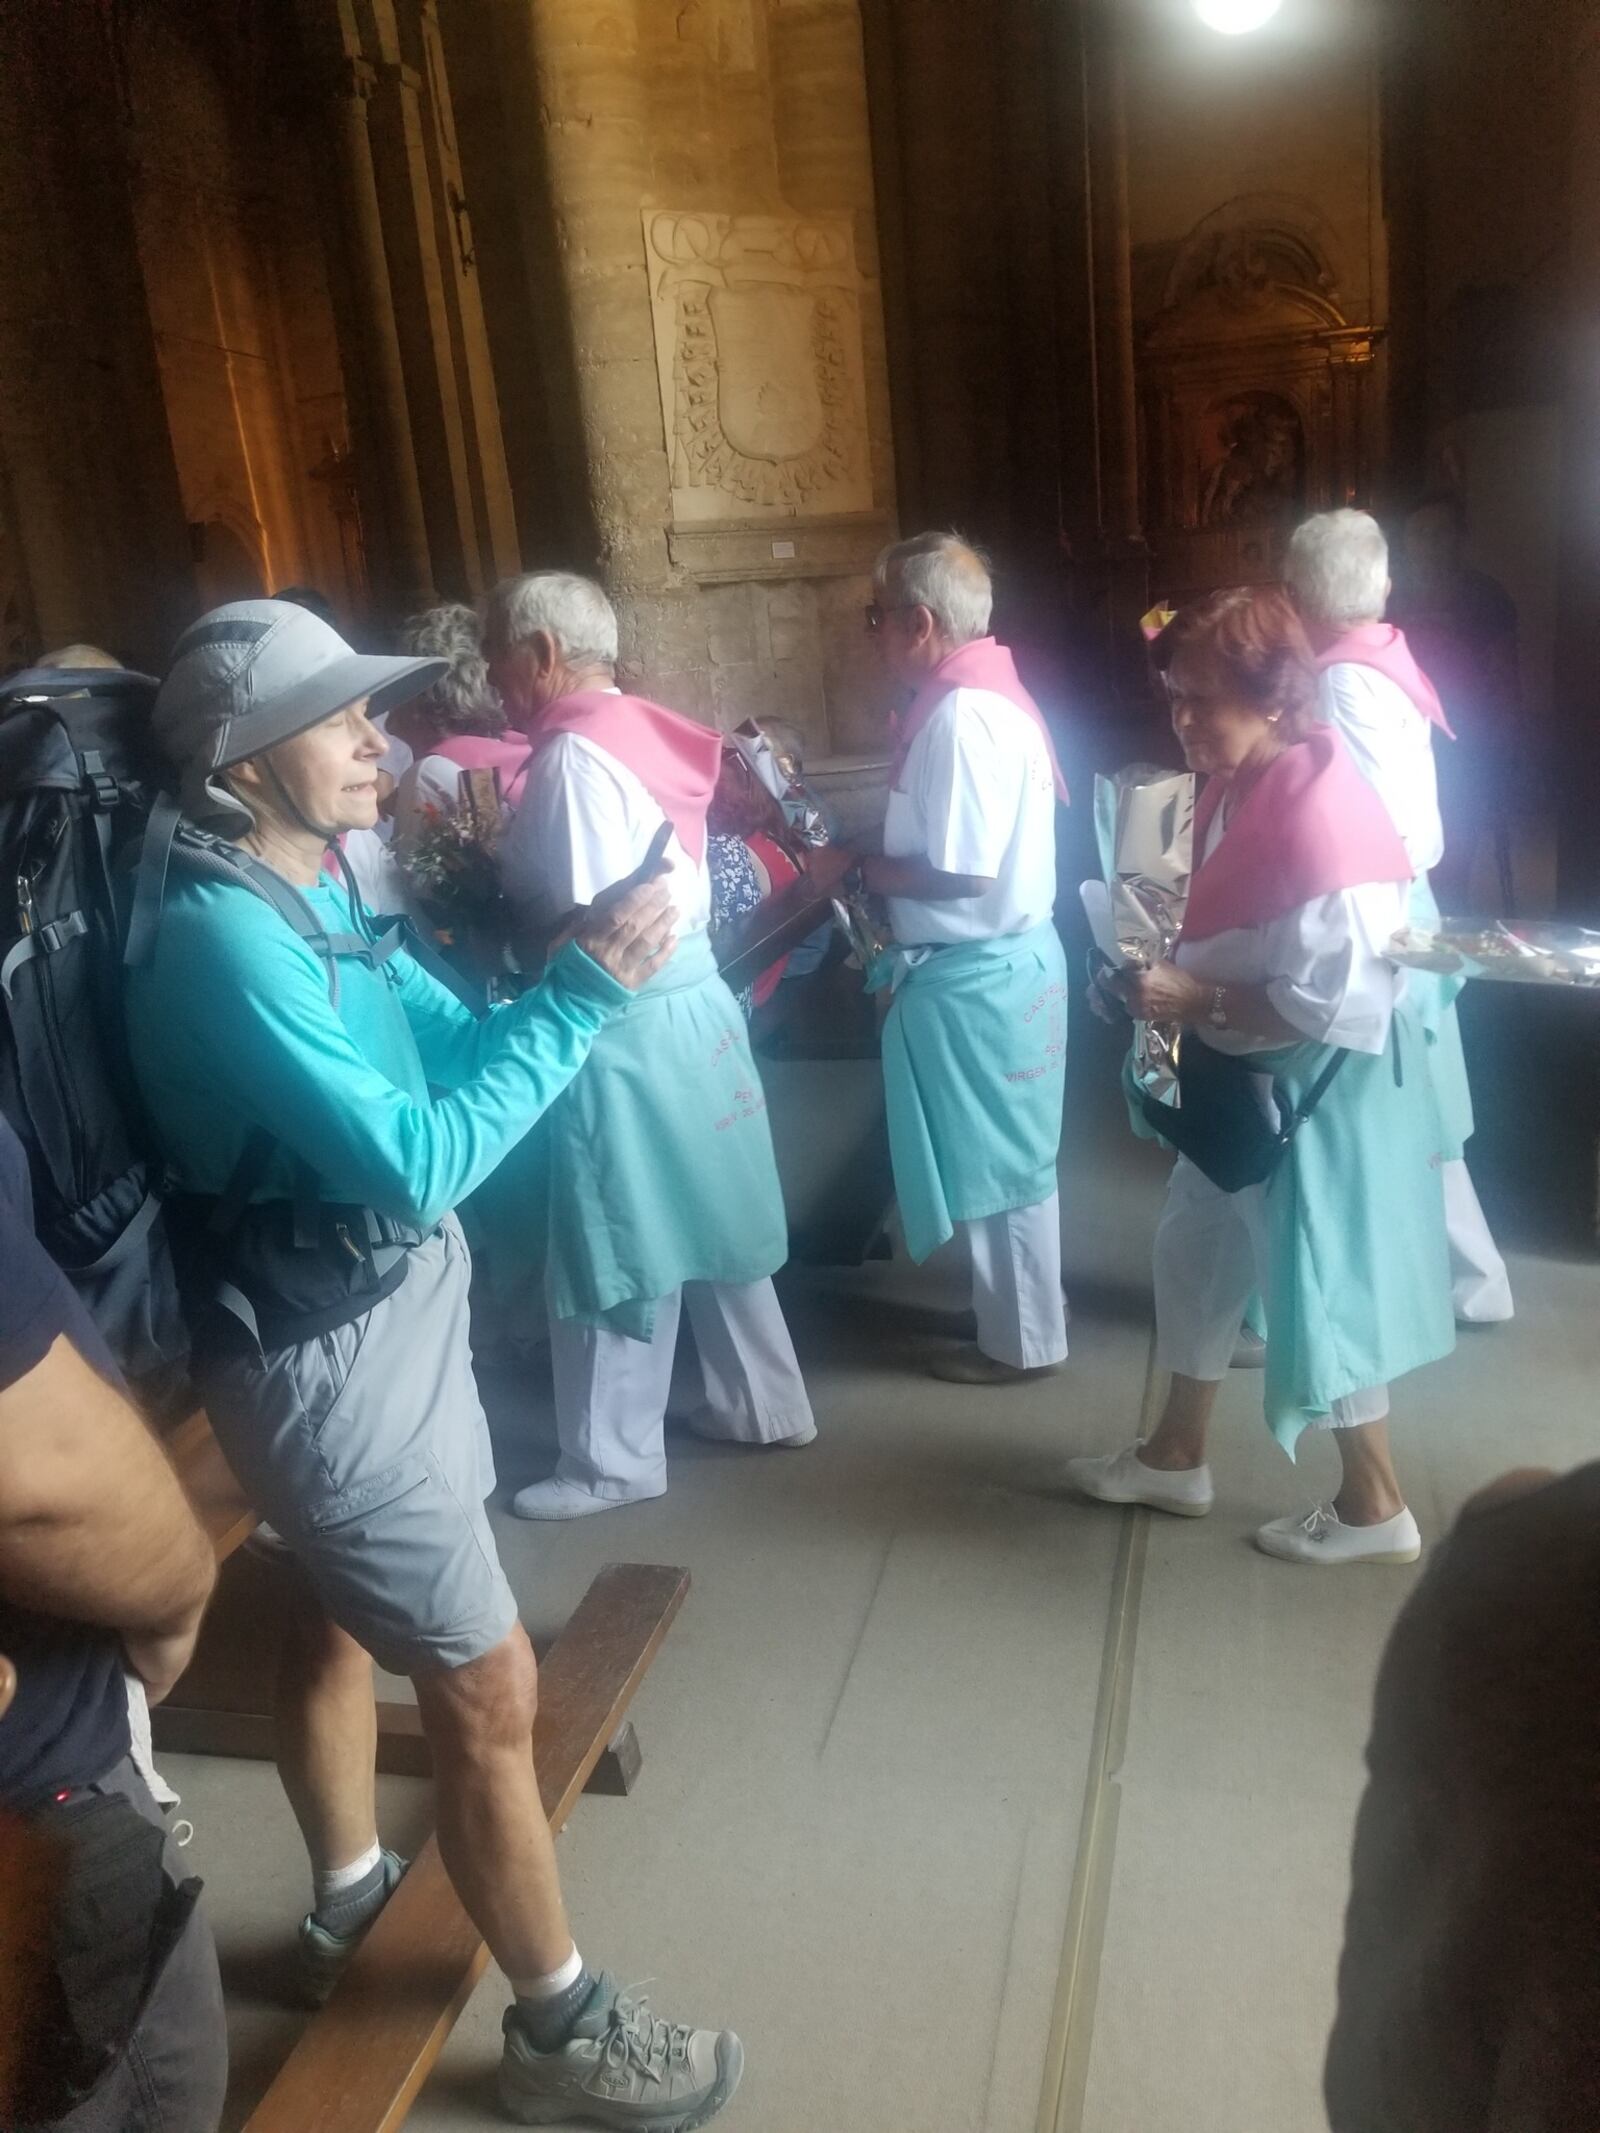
<point>553,1984</point>
<point>328,1882</point>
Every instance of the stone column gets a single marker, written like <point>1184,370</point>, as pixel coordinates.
<point>578,106</point>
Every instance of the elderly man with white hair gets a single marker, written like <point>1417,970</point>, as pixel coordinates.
<point>659,1189</point>
<point>1373,690</point>
<point>974,1048</point>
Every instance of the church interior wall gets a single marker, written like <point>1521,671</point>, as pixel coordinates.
<point>738,128</point>
<point>1494,214</point>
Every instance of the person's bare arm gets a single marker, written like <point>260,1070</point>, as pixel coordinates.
<point>94,1525</point>
<point>920,879</point>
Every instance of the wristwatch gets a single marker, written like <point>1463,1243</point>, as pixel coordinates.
<point>1216,1013</point>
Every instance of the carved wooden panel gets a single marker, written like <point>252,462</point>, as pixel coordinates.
<point>1256,408</point>
<point>758,350</point>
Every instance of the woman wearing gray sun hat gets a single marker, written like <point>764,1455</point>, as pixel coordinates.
<point>285,1054</point>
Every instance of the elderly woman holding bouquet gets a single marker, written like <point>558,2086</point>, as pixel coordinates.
<point>1308,1135</point>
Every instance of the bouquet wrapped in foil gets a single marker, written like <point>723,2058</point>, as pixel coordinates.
<point>1505,951</point>
<point>781,774</point>
<point>1144,826</point>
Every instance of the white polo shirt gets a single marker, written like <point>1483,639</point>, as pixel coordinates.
<point>1393,746</point>
<point>585,821</point>
<point>976,796</point>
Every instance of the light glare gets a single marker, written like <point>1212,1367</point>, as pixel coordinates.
<point>1234,17</point>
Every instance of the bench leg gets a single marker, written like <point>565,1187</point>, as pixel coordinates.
<point>617,1771</point>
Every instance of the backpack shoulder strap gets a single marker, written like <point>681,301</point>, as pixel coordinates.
<point>168,835</point>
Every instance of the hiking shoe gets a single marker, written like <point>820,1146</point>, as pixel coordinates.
<point>323,1955</point>
<point>620,2067</point>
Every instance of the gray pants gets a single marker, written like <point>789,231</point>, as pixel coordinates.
<point>173,2075</point>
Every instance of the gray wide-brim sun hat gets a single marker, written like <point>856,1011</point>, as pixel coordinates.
<point>252,674</point>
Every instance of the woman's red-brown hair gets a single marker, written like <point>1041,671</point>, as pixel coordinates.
<point>1256,644</point>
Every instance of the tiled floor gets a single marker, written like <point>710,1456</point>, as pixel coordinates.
<point>860,1831</point>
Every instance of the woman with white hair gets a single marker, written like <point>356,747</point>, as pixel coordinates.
<point>1371,687</point>
<point>458,725</point>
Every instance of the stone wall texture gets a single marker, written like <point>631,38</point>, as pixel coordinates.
<point>739,594</point>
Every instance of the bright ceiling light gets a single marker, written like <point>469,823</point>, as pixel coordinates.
<point>1234,17</point>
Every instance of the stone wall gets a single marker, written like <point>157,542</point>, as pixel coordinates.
<point>674,206</point>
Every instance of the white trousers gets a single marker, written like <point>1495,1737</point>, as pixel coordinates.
<point>1210,1258</point>
<point>1480,1288</point>
<point>611,1392</point>
<point>1016,1285</point>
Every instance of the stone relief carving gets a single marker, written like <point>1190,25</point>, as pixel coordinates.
<point>758,350</point>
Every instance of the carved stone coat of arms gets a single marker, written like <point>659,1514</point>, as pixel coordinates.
<point>758,348</point>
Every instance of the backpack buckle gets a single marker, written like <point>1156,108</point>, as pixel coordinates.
<point>102,786</point>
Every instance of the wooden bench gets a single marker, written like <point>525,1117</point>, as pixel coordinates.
<point>360,2063</point>
<point>223,1704</point>
<point>361,2060</point>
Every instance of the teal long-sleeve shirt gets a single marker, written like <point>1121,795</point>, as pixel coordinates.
<point>231,1028</point>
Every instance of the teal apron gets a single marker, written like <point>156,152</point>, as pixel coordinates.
<point>974,1059</point>
<point>655,1166</point>
<point>1357,1280</point>
<point>1434,999</point>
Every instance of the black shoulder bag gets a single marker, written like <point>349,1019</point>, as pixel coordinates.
<point>1219,1122</point>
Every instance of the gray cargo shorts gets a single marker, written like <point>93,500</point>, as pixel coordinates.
<point>367,1450</point>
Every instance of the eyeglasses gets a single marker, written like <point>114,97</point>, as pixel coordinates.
<point>875,612</point>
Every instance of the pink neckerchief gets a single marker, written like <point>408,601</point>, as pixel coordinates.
<point>982,664</point>
<point>1310,825</point>
<point>509,754</point>
<point>1382,647</point>
<point>675,759</point>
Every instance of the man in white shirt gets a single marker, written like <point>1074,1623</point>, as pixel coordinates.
<point>975,1043</point>
<point>659,1186</point>
<point>1372,689</point>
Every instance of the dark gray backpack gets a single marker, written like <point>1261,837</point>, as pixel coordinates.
<point>77,779</point>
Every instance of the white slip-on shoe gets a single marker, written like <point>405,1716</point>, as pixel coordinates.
<point>564,1499</point>
<point>1249,1351</point>
<point>1322,1537</point>
<point>708,1434</point>
<point>1122,1477</point>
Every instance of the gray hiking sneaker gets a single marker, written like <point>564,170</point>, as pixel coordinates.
<point>323,1955</point>
<point>620,2067</point>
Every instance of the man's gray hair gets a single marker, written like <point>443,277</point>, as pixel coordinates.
<point>460,701</point>
<point>944,574</point>
<point>1338,568</point>
<point>574,610</point>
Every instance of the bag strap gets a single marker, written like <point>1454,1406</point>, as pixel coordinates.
<point>40,940</point>
<point>1313,1096</point>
